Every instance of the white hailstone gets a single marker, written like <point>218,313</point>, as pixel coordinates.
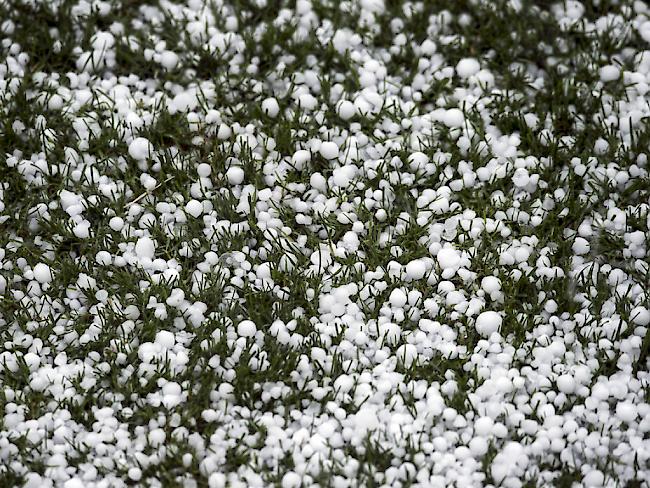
<point>318,181</point>
<point>483,426</point>
<point>329,150</point>
<point>116,223</point>
<point>134,473</point>
<point>521,177</point>
<point>246,328</point>
<point>224,132</point>
<point>609,73</point>
<point>204,170</point>
<point>626,411</point>
<point>428,47</point>
<point>82,229</point>
<point>102,41</point>
<point>640,316</point>
<point>478,446</point>
<point>580,246</point>
<point>415,269</point>
<point>345,109</point>
<point>644,31</point>
<point>165,338</point>
<point>184,101</point>
<point>487,323</point>
<point>407,353</point>
<point>454,118</point>
<point>217,480</point>
<point>42,273</point>
<point>448,258</point>
<point>417,161</point>
<point>491,284</point>
<point>398,298</point>
<point>601,146</point>
<point>144,248</point>
<point>74,483</point>
<point>291,480</point>
<point>169,59</point>
<point>140,148</point>
<point>194,208</point>
<point>366,420</point>
<point>593,479</point>
<point>467,67</point>
<point>32,360</point>
<point>103,258</point>
<point>86,282</point>
<point>270,107</point>
<point>156,437</point>
<point>566,384</point>
<point>300,158</point>
<point>342,176</point>
<point>235,175</point>
<point>175,298</point>
<point>307,101</point>
<point>343,383</point>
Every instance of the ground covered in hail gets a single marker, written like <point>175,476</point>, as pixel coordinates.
<point>322,243</point>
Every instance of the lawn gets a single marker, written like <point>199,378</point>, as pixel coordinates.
<point>322,243</point>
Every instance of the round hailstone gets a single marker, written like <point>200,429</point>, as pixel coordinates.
<point>346,109</point>
<point>566,384</point>
<point>467,67</point>
<point>235,175</point>
<point>270,107</point>
<point>580,246</point>
<point>144,248</point>
<point>329,150</point>
<point>291,480</point>
<point>343,383</point>
<point>246,328</point>
<point>42,273</point>
<point>398,298</point>
<point>415,270</point>
<point>418,160</point>
<point>135,473</point>
<point>609,73</point>
<point>140,148</point>
<point>341,176</point>
<point>74,483</point>
<point>626,411</point>
<point>300,158</point>
<point>166,339</point>
<point>116,223</point>
<point>454,118</point>
<point>483,426</point>
<point>204,170</point>
<point>448,258</point>
<point>593,478</point>
<point>194,208</point>
<point>366,419</point>
<point>644,31</point>
<point>491,284</point>
<point>478,446</point>
<point>487,323</point>
<point>407,353</point>
<point>82,229</point>
<point>103,258</point>
<point>169,59</point>
<point>640,316</point>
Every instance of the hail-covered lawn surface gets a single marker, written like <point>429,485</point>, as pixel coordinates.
<point>322,243</point>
